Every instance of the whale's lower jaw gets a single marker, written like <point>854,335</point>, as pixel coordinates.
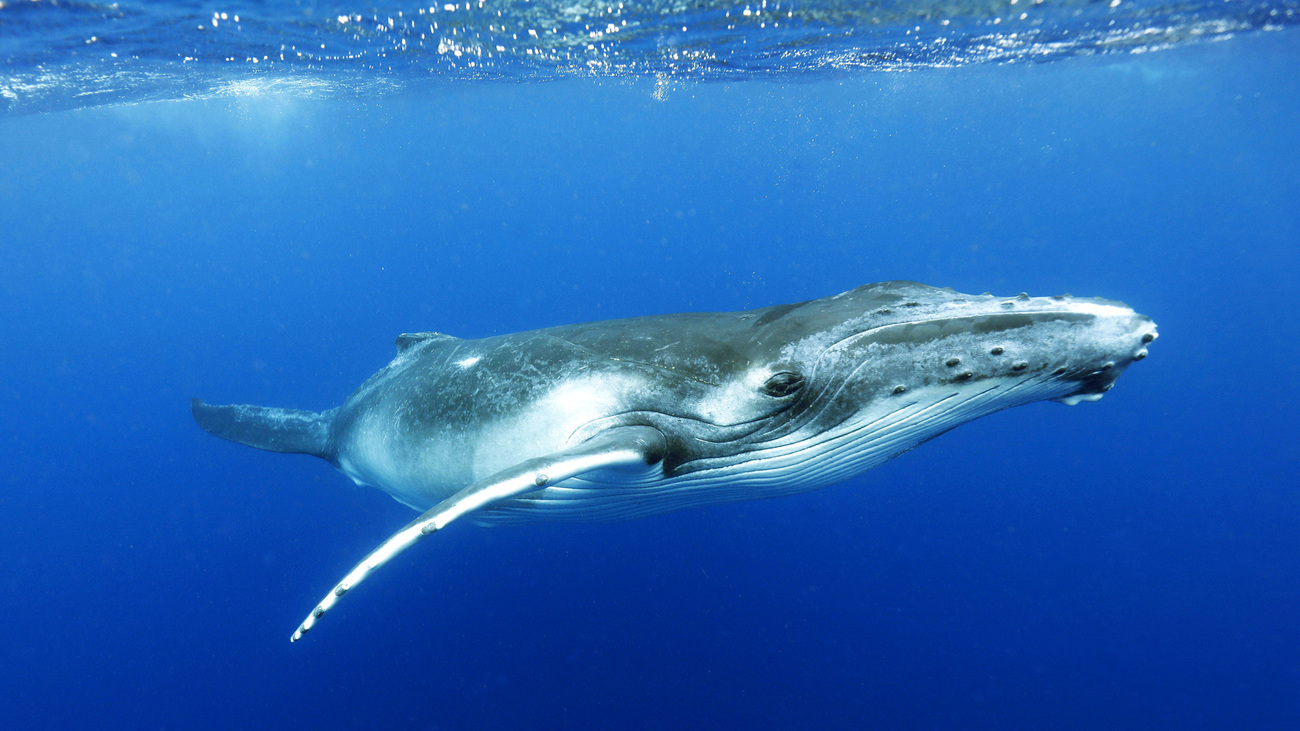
<point>793,467</point>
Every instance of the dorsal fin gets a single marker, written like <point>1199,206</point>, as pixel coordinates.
<point>406,340</point>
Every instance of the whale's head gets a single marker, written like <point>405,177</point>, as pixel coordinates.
<point>893,338</point>
<point>832,387</point>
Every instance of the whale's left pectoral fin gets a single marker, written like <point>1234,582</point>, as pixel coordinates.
<point>619,447</point>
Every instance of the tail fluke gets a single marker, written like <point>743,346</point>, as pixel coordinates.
<point>275,430</point>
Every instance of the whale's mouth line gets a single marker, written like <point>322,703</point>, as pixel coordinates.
<point>908,419</point>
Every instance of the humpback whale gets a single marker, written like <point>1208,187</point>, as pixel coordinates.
<point>625,418</point>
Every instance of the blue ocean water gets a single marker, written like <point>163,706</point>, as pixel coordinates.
<point>260,236</point>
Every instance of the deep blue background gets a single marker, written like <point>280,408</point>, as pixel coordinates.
<point>1128,564</point>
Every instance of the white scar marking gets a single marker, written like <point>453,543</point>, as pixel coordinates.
<point>467,362</point>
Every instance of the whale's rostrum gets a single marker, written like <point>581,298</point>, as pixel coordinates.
<point>625,418</point>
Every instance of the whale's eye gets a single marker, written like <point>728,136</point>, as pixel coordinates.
<point>783,384</point>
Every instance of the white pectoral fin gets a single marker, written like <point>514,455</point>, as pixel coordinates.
<point>619,447</point>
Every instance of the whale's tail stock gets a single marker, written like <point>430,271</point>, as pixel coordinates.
<point>275,430</point>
